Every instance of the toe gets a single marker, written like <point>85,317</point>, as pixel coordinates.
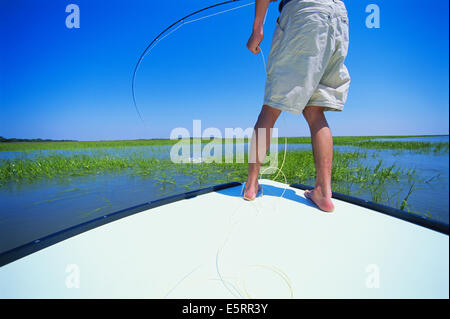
<point>249,194</point>
<point>308,193</point>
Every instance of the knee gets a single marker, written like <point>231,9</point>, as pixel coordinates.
<point>268,115</point>
<point>313,113</point>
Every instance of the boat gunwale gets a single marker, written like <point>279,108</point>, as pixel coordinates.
<point>34,246</point>
<point>393,212</point>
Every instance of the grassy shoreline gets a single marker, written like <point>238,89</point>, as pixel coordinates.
<point>359,141</point>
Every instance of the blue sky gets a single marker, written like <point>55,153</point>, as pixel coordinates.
<point>65,83</point>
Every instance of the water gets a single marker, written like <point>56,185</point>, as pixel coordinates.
<point>429,196</point>
<point>160,152</point>
<point>431,139</point>
<point>33,210</point>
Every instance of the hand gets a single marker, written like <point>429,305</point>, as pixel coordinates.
<point>254,41</point>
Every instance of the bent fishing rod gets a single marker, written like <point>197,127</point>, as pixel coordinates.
<point>163,34</point>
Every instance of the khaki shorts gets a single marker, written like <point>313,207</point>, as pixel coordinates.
<point>306,61</point>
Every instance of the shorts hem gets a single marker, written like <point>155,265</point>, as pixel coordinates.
<point>327,105</point>
<point>282,107</point>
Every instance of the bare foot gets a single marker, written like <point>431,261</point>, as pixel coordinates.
<point>251,191</point>
<point>323,202</point>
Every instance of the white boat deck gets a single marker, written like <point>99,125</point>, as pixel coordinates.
<point>219,246</point>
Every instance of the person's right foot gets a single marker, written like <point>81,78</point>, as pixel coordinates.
<point>322,201</point>
<point>251,191</point>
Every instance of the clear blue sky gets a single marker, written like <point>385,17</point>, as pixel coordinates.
<point>64,83</point>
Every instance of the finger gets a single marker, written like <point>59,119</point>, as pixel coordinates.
<point>252,49</point>
<point>255,50</point>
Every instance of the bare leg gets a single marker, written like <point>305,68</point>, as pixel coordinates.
<point>322,142</point>
<point>266,120</point>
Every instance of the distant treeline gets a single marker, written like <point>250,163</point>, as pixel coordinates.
<point>14,140</point>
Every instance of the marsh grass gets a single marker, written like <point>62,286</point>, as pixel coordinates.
<point>349,175</point>
<point>72,145</point>
<point>64,160</point>
<point>366,142</point>
<point>27,146</point>
<point>417,147</point>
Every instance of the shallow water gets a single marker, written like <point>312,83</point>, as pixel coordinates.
<point>33,210</point>
<point>431,139</point>
<point>429,196</point>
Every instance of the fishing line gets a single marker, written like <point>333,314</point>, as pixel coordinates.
<point>278,272</point>
<point>278,169</point>
<point>160,37</point>
<point>235,291</point>
<point>228,285</point>
<point>181,280</point>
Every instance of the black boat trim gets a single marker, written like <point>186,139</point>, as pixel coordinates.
<point>394,212</point>
<point>44,242</point>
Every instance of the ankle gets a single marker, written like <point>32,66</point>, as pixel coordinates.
<point>252,181</point>
<point>323,191</point>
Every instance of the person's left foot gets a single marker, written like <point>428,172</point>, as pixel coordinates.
<point>322,201</point>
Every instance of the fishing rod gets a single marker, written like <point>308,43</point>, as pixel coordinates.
<point>159,37</point>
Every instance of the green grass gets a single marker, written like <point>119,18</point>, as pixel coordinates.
<point>349,175</point>
<point>418,147</point>
<point>351,139</point>
<point>71,145</point>
<point>299,165</point>
<point>361,141</point>
<point>367,142</point>
<point>28,146</point>
<point>23,169</point>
